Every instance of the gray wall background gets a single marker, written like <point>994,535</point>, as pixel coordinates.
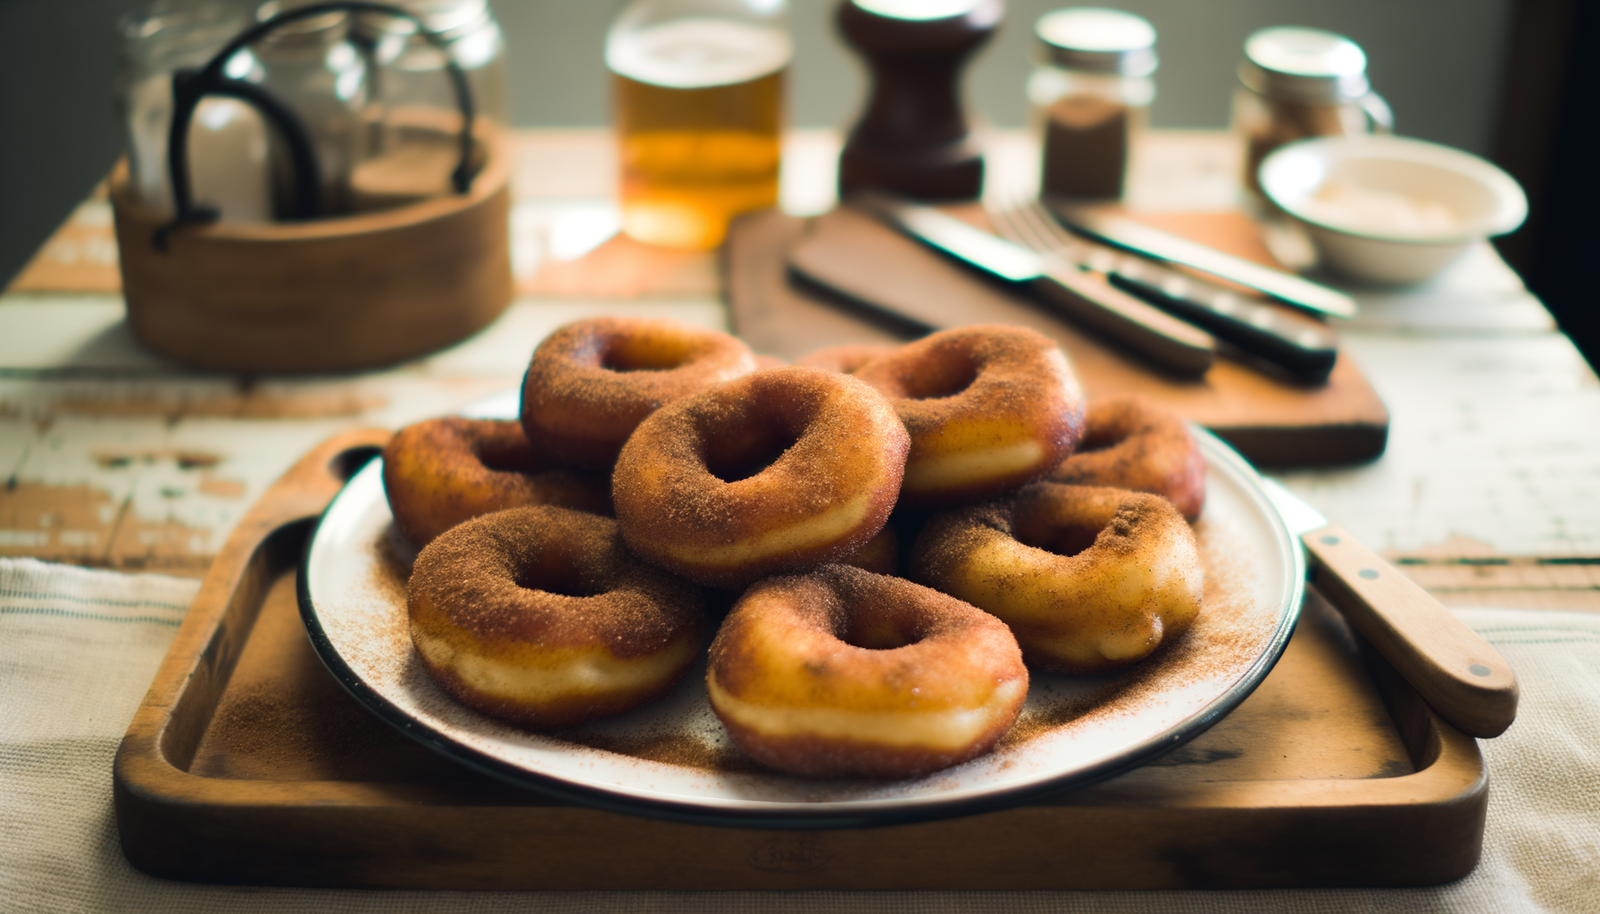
<point>1438,62</point>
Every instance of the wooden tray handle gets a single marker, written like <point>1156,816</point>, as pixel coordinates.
<point>157,747</point>
<point>305,490</point>
<point>300,494</point>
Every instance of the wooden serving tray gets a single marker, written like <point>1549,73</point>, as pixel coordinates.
<point>246,763</point>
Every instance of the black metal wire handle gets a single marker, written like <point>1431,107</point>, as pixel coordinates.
<point>189,86</point>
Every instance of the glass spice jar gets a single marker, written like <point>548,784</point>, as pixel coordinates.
<point>311,66</point>
<point>1297,83</point>
<point>413,115</point>
<point>230,171</point>
<point>1089,97</point>
<point>406,78</point>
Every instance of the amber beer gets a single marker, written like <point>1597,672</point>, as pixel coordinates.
<point>699,105</point>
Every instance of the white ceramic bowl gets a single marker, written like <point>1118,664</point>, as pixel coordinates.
<point>1390,210</point>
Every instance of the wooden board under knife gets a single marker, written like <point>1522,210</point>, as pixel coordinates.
<point>1271,421</point>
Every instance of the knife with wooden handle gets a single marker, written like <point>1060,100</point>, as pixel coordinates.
<point>1450,665</point>
<point>1085,298</point>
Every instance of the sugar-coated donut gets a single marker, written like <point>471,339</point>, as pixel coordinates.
<point>440,472</point>
<point>845,673</point>
<point>1130,443</point>
<point>988,409</point>
<point>1089,579</point>
<point>848,357</point>
<point>540,617</point>
<point>697,489</point>
<point>591,382</point>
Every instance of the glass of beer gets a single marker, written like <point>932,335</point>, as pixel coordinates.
<point>698,90</point>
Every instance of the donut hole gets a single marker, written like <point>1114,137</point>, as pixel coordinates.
<point>751,449</point>
<point>566,582</point>
<point>938,379</point>
<point>877,638</point>
<point>860,622</point>
<point>557,570</point>
<point>876,634</point>
<point>1089,444</point>
<point>1064,539</point>
<point>1103,438</point>
<point>626,354</point>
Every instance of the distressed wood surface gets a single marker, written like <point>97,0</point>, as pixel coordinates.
<point>111,456</point>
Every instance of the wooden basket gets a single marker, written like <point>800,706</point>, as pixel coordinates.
<point>327,295</point>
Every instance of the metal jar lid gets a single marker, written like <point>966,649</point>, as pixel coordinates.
<point>1304,65</point>
<point>1098,41</point>
<point>918,10</point>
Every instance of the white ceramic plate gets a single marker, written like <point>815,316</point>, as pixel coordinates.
<point>672,758</point>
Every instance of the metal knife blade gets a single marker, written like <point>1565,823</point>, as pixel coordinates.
<point>1090,301</point>
<point>1454,669</point>
<point>1151,242</point>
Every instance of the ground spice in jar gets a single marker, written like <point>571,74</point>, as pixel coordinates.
<point>1297,83</point>
<point>1089,96</point>
<point>1087,142</point>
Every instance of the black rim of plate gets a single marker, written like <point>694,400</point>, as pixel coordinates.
<point>821,816</point>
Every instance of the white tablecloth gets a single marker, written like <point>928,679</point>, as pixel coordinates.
<point>78,648</point>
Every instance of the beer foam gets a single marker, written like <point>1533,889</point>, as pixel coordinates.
<point>698,52</point>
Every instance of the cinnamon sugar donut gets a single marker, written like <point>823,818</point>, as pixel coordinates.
<point>988,409</point>
<point>440,472</point>
<point>1089,579</point>
<point>1130,443</point>
<point>844,673</point>
<point>697,489</point>
<point>591,382</point>
<point>539,617</point>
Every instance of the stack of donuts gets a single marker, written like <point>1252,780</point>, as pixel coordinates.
<point>568,559</point>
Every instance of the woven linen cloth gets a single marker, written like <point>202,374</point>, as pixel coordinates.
<point>78,649</point>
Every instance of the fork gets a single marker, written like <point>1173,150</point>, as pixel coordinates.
<point>1303,348</point>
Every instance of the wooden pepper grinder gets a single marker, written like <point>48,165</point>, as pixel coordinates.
<point>914,138</point>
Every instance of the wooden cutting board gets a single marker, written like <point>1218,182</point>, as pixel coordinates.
<point>247,763</point>
<point>1272,421</point>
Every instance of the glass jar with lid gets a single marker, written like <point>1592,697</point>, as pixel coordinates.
<point>414,117</point>
<point>228,141</point>
<point>312,66</point>
<point>1297,83</point>
<point>407,79</point>
<point>1089,98</point>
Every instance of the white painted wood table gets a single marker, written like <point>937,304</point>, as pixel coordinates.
<point>1489,492</point>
